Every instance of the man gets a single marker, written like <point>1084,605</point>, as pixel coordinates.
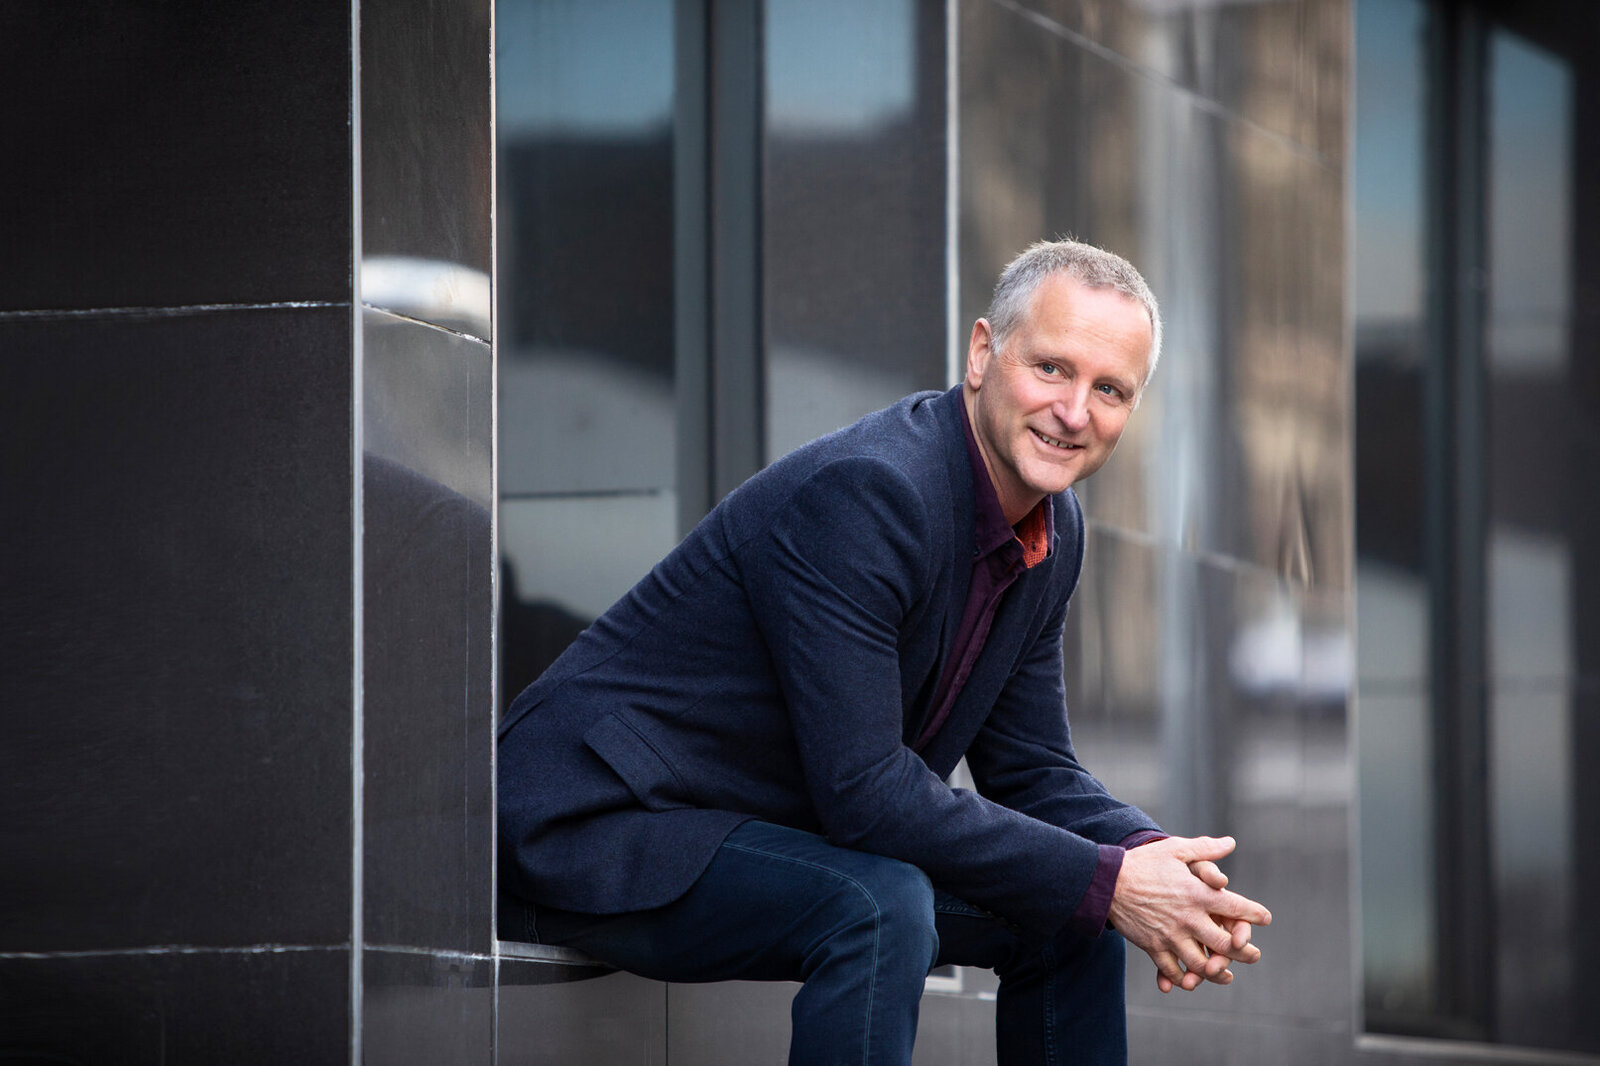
<point>739,770</point>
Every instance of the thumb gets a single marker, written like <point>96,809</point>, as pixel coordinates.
<point>1209,849</point>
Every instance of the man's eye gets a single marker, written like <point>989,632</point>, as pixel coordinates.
<point>1049,368</point>
<point>1110,390</point>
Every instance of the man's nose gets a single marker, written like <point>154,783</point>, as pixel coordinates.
<point>1073,409</point>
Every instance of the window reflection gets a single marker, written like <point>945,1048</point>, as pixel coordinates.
<point>1398,878</point>
<point>853,208</point>
<point>1530,552</point>
<point>586,384</point>
<point>1477,407</point>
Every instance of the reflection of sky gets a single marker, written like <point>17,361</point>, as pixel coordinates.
<point>606,66</point>
<point>592,66</point>
<point>1530,204</point>
<point>837,66</point>
<point>1388,158</point>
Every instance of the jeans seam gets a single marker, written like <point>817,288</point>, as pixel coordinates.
<point>1052,975</point>
<point>877,927</point>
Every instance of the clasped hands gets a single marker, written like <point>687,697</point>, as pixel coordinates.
<point>1171,901</point>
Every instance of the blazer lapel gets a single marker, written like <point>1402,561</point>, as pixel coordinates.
<point>962,546</point>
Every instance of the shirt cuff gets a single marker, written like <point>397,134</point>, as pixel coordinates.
<point>1089,920</point>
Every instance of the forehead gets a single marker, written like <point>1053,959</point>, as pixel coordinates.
<point>1064,311</point>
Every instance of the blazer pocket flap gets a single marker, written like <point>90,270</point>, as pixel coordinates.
<point>641,767</point>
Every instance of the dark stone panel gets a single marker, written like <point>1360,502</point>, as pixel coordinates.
<point>955,1030</point>
<point>427,1009</point>
<point>175,153</point>
<point>428,705</point>
<point>730,1022</point>
<point>738,1022</point>
<point>176,621</point>
<point>172,1008</point>
<point>620,1018</point>
<point>427,140</point>
<point>1193,1029</point>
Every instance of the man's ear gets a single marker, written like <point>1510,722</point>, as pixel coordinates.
<point>978,352</point>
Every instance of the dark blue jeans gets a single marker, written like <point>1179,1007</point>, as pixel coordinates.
<point>860,932</point>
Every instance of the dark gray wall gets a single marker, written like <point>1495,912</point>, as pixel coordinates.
<point>191,378</point>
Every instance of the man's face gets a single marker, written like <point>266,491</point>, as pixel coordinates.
<point>1048,409</point>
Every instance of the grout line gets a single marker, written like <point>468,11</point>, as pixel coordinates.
<point>357,555</point>
<point>423,322</point>
<point>175,949</point>
<point>434,953</point>
<point>176,310</point>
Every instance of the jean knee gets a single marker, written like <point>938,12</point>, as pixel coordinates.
<point>900,898</point>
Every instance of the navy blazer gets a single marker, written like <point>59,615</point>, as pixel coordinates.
<point>778,663</point>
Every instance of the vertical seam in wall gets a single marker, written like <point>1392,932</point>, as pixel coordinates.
<point>357,554</point>
<point>494,539</point>
<point>1356,961</point>
<point>952,191</point>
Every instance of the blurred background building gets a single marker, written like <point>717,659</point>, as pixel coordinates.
<point>356,357</point>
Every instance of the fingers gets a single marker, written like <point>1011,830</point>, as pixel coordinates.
<point>1184,917</point>
<point>1231,905</point>
<point>1243,950</point>
<point>1168,971</point>
<point>1195,958</point>
<point>1209,872</point>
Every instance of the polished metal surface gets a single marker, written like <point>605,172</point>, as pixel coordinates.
<point>427,621</point>
<point>426,862</point>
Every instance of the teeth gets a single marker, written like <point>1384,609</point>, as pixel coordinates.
<point>1051,440</point>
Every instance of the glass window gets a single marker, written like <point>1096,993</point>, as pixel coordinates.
<point>588,413</point>
<point>1478,430</point>
<point>1398,880</point>
<point>1532,673</point>
<point>853,202</point>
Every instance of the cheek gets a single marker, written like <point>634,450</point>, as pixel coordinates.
<point>1109,428</point>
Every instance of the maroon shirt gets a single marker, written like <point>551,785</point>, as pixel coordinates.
<point>1000,558</point>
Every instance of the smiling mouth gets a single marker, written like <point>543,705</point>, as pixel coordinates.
<point>1054,443</point>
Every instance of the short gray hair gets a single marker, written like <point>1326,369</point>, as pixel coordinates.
<point>1094,267</point>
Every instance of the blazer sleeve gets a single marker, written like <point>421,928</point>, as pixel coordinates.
<point>1023,757</point>
<point>831,578</point>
